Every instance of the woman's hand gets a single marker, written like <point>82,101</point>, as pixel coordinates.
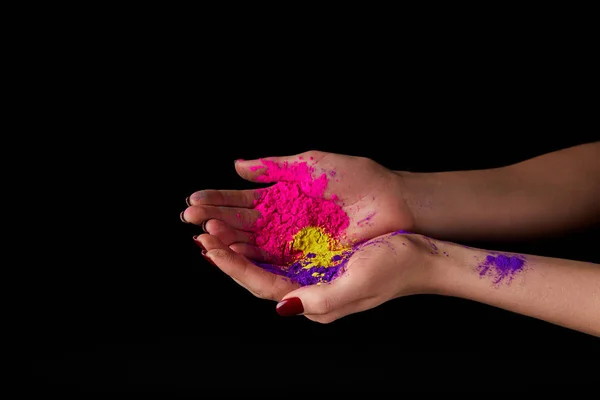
<point>370,194</point>
<point>384,268</point>
<point>563,292</point>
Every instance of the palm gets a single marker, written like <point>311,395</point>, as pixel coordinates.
<point>369,269</point>
<point>369,193</point>
<point>381,269</point>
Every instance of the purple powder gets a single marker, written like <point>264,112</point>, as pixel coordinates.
<point>433,246</point>
<point>274,269</point>
<point>365,220</point>
<point>501,267</point>
<point>400,232</point>
<point>304,276</point>
<point>297,273</point>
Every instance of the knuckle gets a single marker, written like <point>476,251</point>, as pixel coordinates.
<point>323,306</point>
<point>247,219</point>
<point>200,195</point>
<point>313,153</point>
<point>223,255</point>
<point>366,162</point>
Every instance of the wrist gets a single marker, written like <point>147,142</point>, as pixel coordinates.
<point>415,197</point>
<point>452,266</point>
<point>439,267</point>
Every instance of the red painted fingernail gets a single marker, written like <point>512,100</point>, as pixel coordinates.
<point>289,307</point>
<point>187,201</point>
<point>198,243</point>
<point>207,258</point>
<point>181,217</point>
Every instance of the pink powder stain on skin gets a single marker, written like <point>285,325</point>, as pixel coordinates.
<point>293,203</point>
<point>297,172</point>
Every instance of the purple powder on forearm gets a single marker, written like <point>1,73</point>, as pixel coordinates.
<point>502,267</point>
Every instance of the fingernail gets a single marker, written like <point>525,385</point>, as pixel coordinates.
<point>187,201</point>
<point>289,307</point>
<point>207,258</point>
<point>198,243</point>
<point>238,160</point>
<point>181,217</point>
<point>204,226</point>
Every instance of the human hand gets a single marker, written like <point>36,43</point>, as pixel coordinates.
<point>381,269</point>
<point>370,194</point>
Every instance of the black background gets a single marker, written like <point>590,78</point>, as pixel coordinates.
<point>125,302</point>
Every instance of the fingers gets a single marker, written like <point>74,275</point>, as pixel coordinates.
<point>230,198</point>
<point>250,251</point>
<point>239,241</point>
<point>227,234</point>
<point>269,169</point>
<point>261,283</point>
<point>237,218</point>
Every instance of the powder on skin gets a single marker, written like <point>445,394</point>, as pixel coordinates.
<point>502,267</point>
<point>299,230</point>
<point>317,275</point>
<point>317,246</point>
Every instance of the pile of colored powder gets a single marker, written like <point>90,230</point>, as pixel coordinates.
<point>298,229</point>
<point>501,267</point>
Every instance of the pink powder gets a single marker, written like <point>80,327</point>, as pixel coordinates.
<point>298,172</point>
<point>293,203</point>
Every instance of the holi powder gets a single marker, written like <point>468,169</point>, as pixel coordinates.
<point>367,220</point>
<point>299,230</point>
<point>502,267</point>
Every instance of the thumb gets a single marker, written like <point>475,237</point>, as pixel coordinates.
<point>323,303</point>
<point>275,169</point>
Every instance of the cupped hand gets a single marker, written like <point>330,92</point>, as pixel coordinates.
<point>381,269</point>
<point>369,193</point>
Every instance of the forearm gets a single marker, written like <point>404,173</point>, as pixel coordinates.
<point>552,193</point>
<point>563,292</point>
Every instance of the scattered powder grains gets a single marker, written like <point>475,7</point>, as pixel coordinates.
<point>501,267</point>
<point>299,230</point>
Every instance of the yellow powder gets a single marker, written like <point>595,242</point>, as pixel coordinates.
<point>313,240</point>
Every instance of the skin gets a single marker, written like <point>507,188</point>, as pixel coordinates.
<point>563,292</point>
<point>369,193</point>
<point>550,194</point>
